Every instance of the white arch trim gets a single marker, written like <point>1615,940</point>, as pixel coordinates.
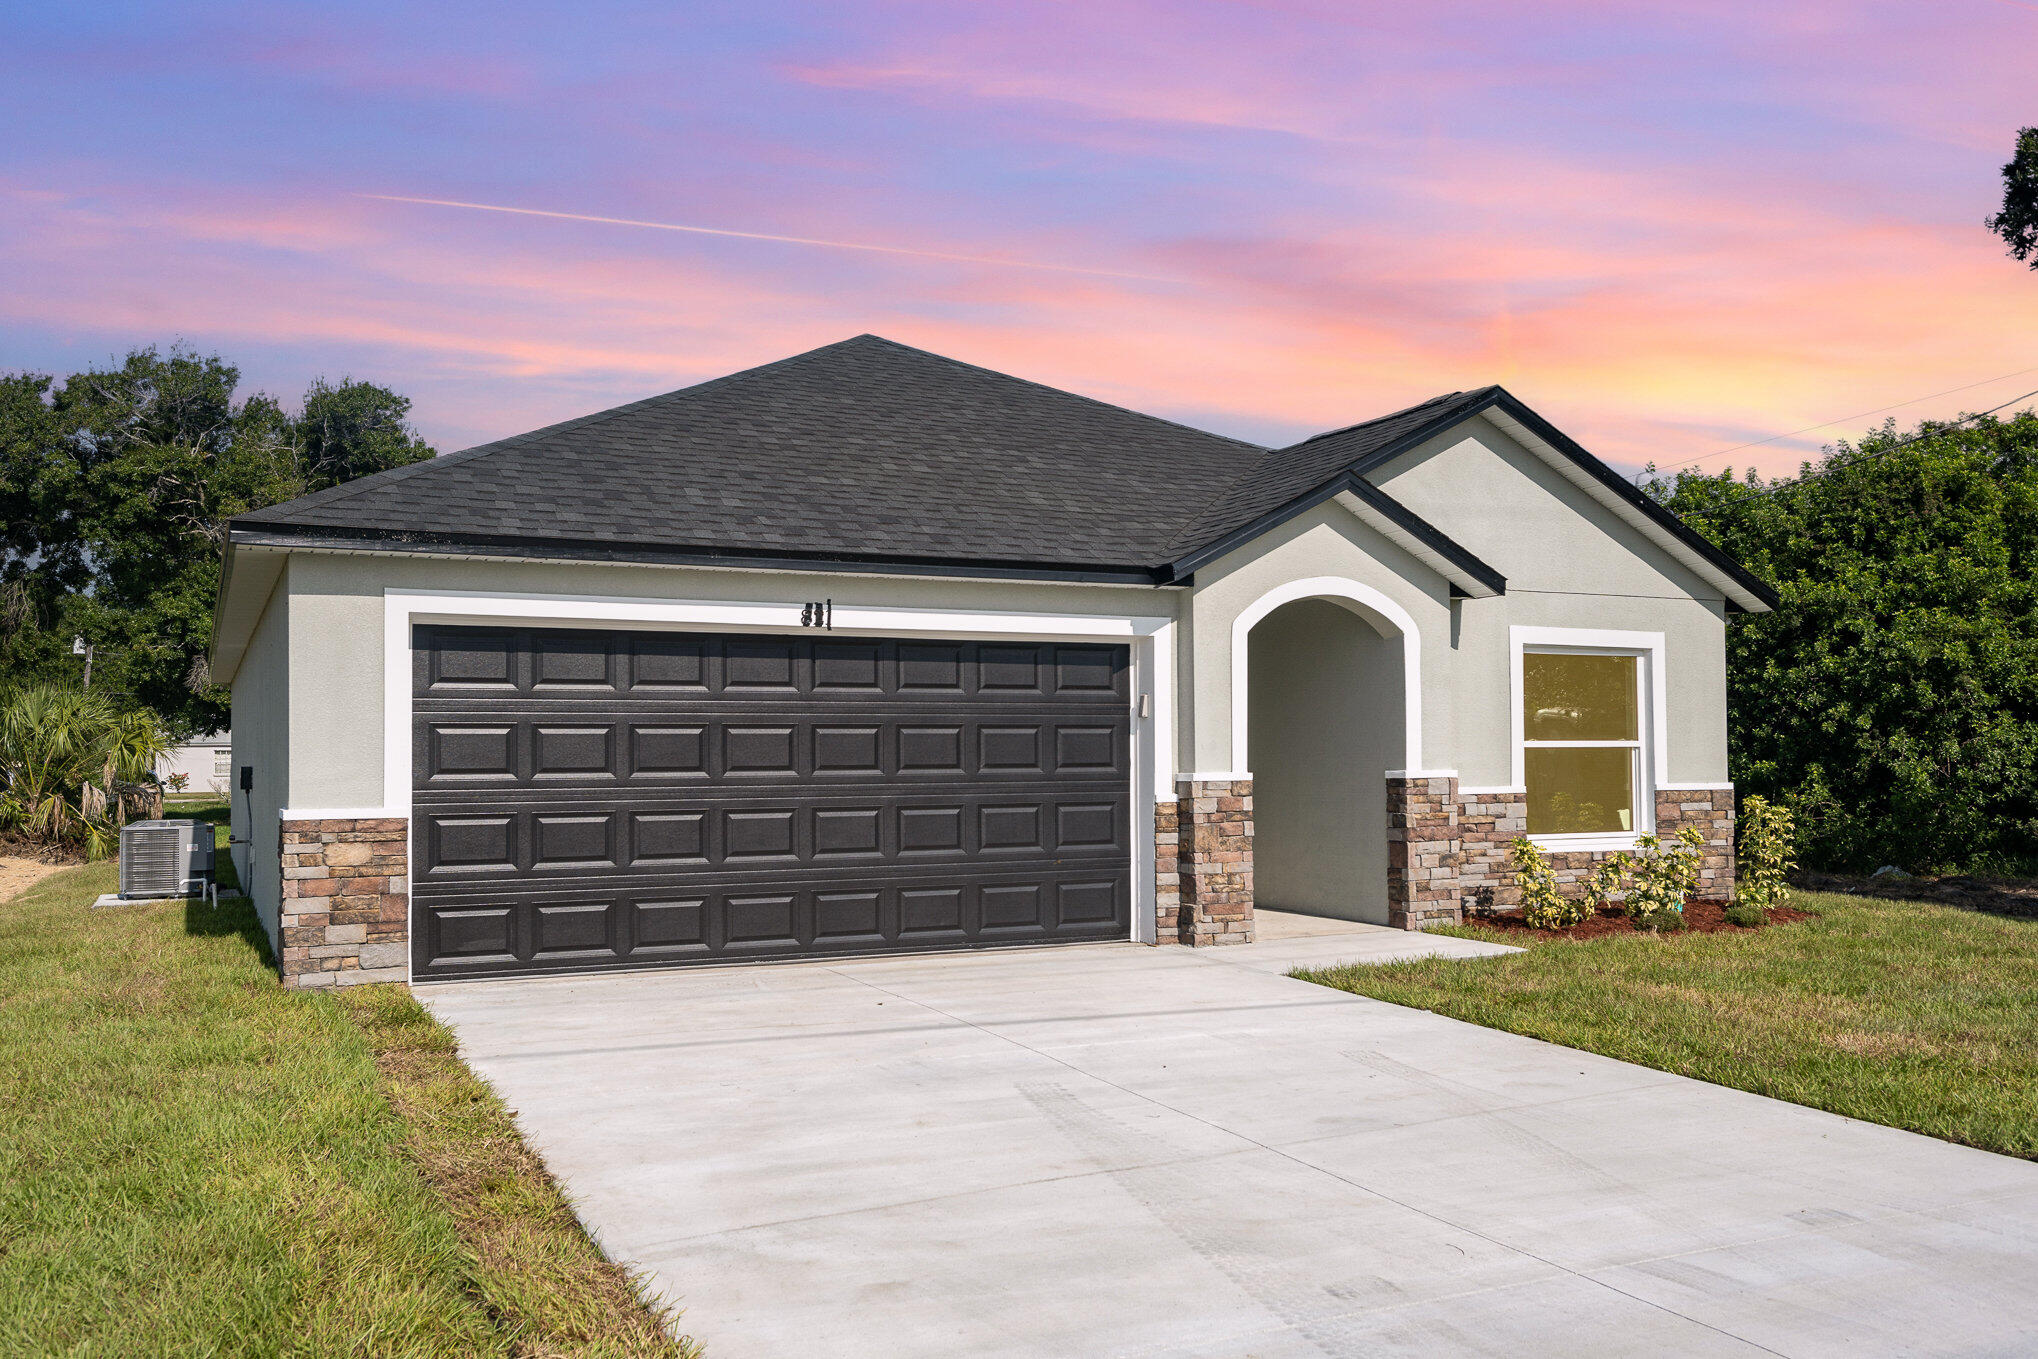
<point>1330,587</point>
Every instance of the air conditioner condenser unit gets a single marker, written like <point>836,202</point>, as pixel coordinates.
<point>165,859</point>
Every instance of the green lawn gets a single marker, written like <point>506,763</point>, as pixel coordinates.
<point>195,1161</point>
<point>1916,1015</point>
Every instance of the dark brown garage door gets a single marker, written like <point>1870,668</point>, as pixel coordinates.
<point>588,800</point>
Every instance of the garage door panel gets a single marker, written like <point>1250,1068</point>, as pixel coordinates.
<point>573,929</point>
<point>666,751</point>
<point>579,662</point>
<point>459,661</point>
<point>589,799</point>
<point>668,839</point>
<point>563,836</point>
<point>467,753</point>
<point>660,665</point>
<point>694,740</point>
<point>587,927</point>
<point>561,752</point>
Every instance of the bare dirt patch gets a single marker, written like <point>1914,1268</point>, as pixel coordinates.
<point>1702,915</point>
<point>18,873</point>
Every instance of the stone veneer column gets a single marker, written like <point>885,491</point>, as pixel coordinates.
<point>346,901</point>
<point>1422,853</point>
<point>1167,889</point>
<point>1711,810</point>
<point>1214,861</point>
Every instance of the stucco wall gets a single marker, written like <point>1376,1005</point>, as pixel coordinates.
<point>1326,726</point>
<point>336,624</point>
<point>1569,563</point>
<point>1328,541</point>
<point>261,738</point>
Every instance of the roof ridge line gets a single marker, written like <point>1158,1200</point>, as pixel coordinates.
<point>1405,410</point>
<point>1062,391</point>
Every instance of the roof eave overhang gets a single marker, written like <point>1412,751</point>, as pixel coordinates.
<point>1469,577</point>
<point>307,538</point>
<point>247,578</point>
<point>1744,591</point>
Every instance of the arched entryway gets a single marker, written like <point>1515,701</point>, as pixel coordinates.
<point>1329,673</point>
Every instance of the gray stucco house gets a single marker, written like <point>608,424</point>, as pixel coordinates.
<point>870,650</point>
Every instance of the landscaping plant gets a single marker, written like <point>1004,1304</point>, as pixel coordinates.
<point>1660,876</point>
<point>64,758</point>
<point>1608,876</point>
<point>1542,904</point>
<point>1767,853</point>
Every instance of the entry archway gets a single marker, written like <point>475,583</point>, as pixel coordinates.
<point>1329,705</point>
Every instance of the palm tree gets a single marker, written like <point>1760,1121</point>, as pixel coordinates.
<point>62,753</point>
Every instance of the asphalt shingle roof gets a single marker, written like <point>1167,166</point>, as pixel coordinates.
<point>1284,474</point>
<point>875,452</point>
<point>863,448</point>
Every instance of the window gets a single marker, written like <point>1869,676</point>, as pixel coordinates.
<point>1583,763</point>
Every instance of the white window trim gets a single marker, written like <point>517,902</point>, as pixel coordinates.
<point>1151,640</point>
<point>1653,725</point>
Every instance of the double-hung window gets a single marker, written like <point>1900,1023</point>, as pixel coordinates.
<point>1585,763</point>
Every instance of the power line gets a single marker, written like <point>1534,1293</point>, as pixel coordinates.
<point>1775,486</point>
<point>1757,443</point>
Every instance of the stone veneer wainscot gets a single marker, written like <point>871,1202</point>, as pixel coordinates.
<point>1446,854</point>
<point>346,901</point>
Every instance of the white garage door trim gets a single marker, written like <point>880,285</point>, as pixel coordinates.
<point>1151,640</point>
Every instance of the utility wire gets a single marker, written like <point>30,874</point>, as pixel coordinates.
<point>1757,443</point>
<point>1775,486</point>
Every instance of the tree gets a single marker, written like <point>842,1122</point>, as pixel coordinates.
<point>1892,701</point>
<point>2017,223</point>
<point>118,482</point>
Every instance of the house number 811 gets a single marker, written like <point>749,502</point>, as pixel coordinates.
<point>818,614</point>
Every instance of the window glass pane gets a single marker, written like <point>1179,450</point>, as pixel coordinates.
<point>1571,791</point>
<point>1578,698</point>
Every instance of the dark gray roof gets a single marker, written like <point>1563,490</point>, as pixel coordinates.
<point>873,453</point>
<point>861,449</point>
<point>1283,475</point>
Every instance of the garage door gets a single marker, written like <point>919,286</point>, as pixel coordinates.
<point>587,800</point>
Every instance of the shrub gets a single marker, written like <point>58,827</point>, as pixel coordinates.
<point>1768,853</point>
<point>1661,876</point>
<point>71,762</point>
<point>1543,906</point>
<point>1747,916</point>
<point>1608,876</point>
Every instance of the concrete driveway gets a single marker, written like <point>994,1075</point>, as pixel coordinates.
<point>1120,1150</point>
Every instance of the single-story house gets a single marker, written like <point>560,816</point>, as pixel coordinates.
<point>871,650</point>
<point>206,762</point>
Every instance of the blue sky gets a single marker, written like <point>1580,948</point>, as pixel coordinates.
<point>1673,230</point>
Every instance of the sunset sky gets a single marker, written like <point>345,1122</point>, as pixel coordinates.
<point>1671,229</point>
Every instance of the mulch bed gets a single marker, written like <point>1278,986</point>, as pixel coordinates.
<point>2002,896</point>
<point>1702,915</point>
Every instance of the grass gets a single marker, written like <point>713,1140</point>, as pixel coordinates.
<point>196,1161</point>
<point>1912,1014</point>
